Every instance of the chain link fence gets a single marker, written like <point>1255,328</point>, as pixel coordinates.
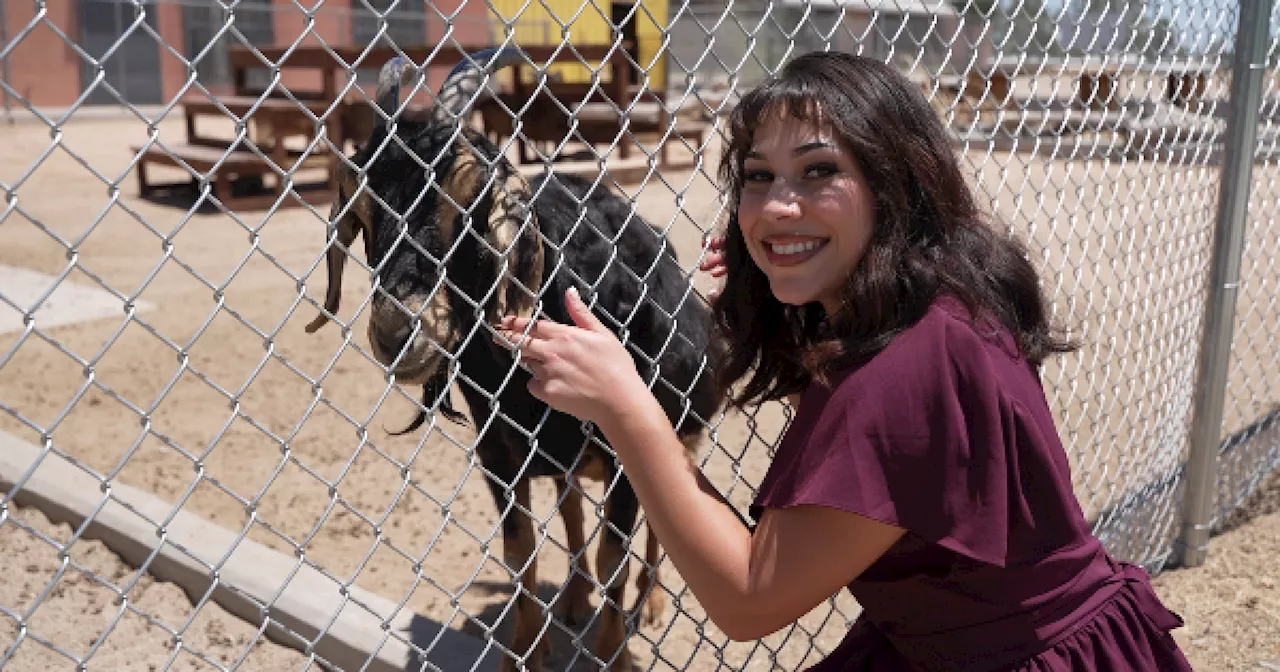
<point>192,480</point>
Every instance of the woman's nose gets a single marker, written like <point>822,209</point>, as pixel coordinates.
<point>782,204</point>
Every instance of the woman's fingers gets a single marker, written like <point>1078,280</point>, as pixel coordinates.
<point>712,260</point>
<point>533,338</point>
<point>526,328</point>
<point>532,345</point>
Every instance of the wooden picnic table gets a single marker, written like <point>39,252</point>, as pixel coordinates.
<point>595,113</point>
<point>331,61</point>
<point>276,116</point>
<point>273,119</point>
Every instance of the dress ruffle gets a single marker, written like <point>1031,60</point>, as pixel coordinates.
<point>1129,632</point>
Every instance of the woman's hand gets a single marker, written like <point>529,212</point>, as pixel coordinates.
<point>714,263</point>
<point>580,369</point>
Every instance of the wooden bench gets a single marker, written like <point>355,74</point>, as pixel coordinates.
<point>232,166</point>
<point>273,117</point>
<point>273,120</point>
<point>595,121</point>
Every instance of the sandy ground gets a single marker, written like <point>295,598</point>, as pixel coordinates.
<point>210,398</point>
<point>92,605</point>
<point>1231,604</point>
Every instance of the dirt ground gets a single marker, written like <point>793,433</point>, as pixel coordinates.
<point>219,399</point>
<point>82,611</point>
<point>1231,604</point>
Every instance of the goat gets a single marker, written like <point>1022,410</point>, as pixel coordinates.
<point>491,244</point>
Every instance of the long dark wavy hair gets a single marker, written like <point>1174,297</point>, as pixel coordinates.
<point>929,236</point>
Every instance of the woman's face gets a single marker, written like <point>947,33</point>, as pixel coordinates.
<point>805,211</point>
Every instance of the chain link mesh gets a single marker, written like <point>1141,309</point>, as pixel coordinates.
<point>1092,130</point>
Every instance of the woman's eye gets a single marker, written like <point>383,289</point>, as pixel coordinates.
<point>758,176</point>
<point>821,170</point>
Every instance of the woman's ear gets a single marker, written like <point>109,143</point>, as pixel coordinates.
<point>349,216</point>
<point>516,245</point>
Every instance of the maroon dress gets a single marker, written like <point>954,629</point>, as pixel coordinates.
<point>947,434</point>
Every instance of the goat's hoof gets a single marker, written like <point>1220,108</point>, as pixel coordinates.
<point>529,665</point>
<point>623,662</point>
<point>611,641</point>
<point>576,609</point>
<point>653,608</point>
<point>534,663</point>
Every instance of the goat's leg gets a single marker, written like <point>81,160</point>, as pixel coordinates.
<point>576,607</point>
<point>612,566</point>
<point>653,604</point>
<point>519,551</point>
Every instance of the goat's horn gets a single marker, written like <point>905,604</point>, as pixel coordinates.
<point>460,88</point>
<point>395,74</point>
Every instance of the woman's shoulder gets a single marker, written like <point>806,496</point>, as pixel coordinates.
<point>922,435</point>
<point>949,343</point>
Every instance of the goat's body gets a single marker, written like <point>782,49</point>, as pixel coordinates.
<point>590,239</point>
<point>638,283</point>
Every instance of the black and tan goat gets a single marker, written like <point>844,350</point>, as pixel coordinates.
<point>452,256</point>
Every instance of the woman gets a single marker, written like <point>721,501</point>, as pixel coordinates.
<point>922,470</point>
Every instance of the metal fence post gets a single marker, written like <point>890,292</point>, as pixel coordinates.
<point>1249,64</point>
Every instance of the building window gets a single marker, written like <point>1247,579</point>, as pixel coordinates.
<point>133,66</point>
<point>406,28</point>
<point>406,23</point>
<point>255,21</point>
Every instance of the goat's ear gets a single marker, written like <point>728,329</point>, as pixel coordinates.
<point>349,214</point>
<point>513,234</point>
<point>511,231</point>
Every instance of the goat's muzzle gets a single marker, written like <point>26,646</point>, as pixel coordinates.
<point>413,336</point>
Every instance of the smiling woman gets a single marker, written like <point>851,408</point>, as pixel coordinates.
<point>805,210</point>
<point>923,471</point>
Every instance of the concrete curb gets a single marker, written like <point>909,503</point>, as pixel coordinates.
<point>70,302</point>
<point>19,114</point>
<point>249,575</point>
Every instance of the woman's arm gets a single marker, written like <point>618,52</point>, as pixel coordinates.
<point>749,584</point>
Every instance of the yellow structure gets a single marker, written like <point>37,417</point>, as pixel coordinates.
<point>546,22</point>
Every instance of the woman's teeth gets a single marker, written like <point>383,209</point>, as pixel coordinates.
<point>795,248</point>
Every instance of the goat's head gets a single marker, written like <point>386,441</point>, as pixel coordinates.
<point>448,224</point>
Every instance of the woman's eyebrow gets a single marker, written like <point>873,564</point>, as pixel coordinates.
<point>811,146</point>
<point>806,147</point>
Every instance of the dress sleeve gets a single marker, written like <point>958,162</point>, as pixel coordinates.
<point>920,437</point>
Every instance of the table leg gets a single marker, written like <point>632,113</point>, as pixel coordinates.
<point>279,153</point>
<point>144,188</point>
<point>222,188</point>
<point>330,87</point>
